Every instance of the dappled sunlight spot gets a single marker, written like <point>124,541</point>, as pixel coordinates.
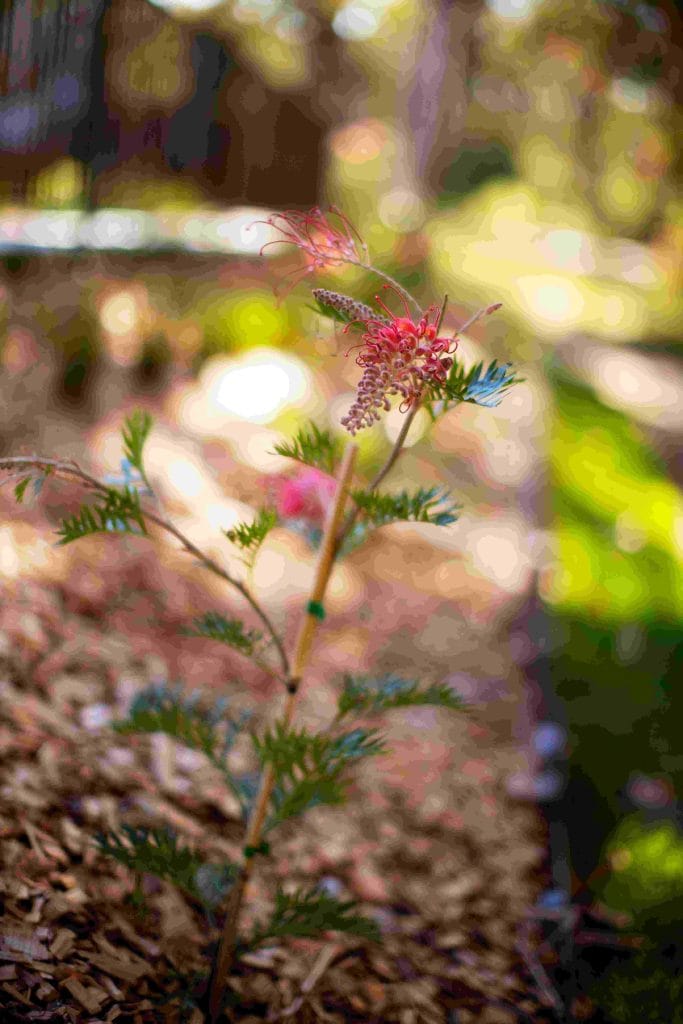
<point>634,96</point>
<point>359,142</point>
<point>358,19</point>
<point>119,312</point>
<point>182,6</point>
<point>24,551</point>
<point>545,164</point>
<point>255,447</point>
<point>625,195</point>
<point>349,647</point>
<point>651,389</point>
<point>513,10</point>
<point>253,392</point>
<point>393,423</point>
<point>256,386</point>
<point>200,532</point>
<point>284,567</point>
<point>590,575</point>
<point>254,320</point>
<point>10,560</point>
<point>554,303</point>
<point>185,478</point>
<point>525,406</point>
<point>179,472</point>
<point>239,230</point>
<point>225,514</point>
<point>498,550</point>
<point>509,462</point>
<point>401,209</point>
<point>569,250</point>
<point>118,229</point>
<point>345,590</point>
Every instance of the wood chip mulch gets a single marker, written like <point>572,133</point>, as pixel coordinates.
<point>450,893</point>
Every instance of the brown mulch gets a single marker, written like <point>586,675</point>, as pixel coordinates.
<point>449,882</point>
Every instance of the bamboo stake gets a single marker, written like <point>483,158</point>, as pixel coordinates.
<point>302,648</point>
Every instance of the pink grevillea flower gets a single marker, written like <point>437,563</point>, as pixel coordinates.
<point>305,496</point>
<point>399,357</point>
<point>326,239</point>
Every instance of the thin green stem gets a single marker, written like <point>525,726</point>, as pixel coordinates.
<point>390,280</point>
<point>350,520</point>
<point>72,469</point>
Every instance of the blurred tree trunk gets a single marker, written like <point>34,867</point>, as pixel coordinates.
<point>436,87</point>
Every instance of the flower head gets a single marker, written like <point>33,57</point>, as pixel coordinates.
<point>399,357</point>
<point>328,239</point>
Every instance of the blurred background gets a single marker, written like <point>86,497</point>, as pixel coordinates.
<point>508,151</point>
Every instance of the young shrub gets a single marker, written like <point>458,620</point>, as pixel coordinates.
<point>401,354</point>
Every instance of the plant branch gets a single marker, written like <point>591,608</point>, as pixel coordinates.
<point>379,477</point>
<point>390,280</point>
<point>73,470</point>
<point>302,648</point>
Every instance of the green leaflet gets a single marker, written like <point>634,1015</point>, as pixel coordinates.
<point>424,506</point>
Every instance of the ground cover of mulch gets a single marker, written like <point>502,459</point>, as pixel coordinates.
<point>445,865</point>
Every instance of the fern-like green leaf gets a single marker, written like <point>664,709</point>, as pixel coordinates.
<point>226,631</point>
<point>250,536</point>
<point>313,447</point>
<point>481,387</point>
<point>209,730</point>
<point>309,912</point>
<point>134,433</point>
<point>120,512</point>
<point>426,505</point>
<point>158,852</point>
<point>362,695</point>
<point>20,489</point>
<point>309,767</point>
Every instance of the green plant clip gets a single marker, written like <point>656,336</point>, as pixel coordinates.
<point>252,851</point>
<point>316,608</point>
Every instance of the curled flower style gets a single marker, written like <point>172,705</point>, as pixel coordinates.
<point>399,357</point>
<point>326,244</point>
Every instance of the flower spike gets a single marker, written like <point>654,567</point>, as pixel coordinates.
<point>399,357</point>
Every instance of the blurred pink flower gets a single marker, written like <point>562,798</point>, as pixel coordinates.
<point>20,351</point>
<point>307,495</point>
<point>398,357</point>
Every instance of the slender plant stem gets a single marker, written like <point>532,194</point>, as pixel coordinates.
<point>72,469</point>
<point>302,648</point>
<point>350,520</point>
<point>390,280</point>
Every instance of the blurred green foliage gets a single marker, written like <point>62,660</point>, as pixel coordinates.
<point>615,513</point>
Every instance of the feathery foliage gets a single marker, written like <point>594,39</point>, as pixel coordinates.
<point>362,695</point>
<point>314,447</point>
<point>20,489</point>
<point>309,767</point>
<point>250,536</point>
<point>120,512</point>
<point>134,433</point>
<point>421,507</point>
<point>158,852</point>
<point>482,387</point>
<point>308,912</point>
<point>209,730</point>
<point>213,626</point>
<point>163,708</point>
<point>38,481</point>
